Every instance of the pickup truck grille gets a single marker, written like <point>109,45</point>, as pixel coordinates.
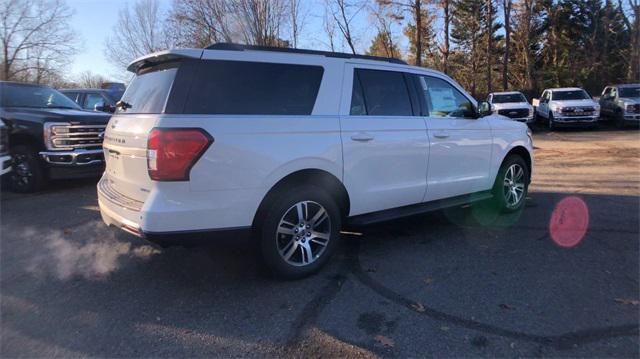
<point>4,140</point>
<point>633,108</point>
<point>515,113</point>
<point>65,136</point>
<point>579,111</point>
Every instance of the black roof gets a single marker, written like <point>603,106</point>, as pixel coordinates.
<point>240,47</point>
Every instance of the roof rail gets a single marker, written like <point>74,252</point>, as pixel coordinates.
<point>239,47</point>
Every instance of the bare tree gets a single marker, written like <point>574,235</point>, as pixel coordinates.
<point>633,26</point>
<point>260,21</point>
<point>139,31</point>
<point>329,27</point>
<point>343,13</point>
<point>415,7</point>
<point>36,39</point>
<point>88,79</point>
<point>199,23</point>
<point>385,39</point>
<point>445,49</point>
<point>297,15</point>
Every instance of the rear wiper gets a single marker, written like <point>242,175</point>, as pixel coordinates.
<point>123,105</point>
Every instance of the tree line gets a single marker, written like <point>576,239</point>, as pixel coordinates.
<point>486,45</point>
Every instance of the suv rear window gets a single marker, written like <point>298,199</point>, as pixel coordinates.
<point>253,88</point>
<point>149,89</point>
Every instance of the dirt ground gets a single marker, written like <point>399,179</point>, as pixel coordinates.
<point>595,162</point>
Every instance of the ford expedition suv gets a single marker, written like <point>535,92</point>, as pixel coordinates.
<point>621,103</point>
<point>570,106</point>
<point>50,136</point>
<point>289,145</point>
<point>511,104</point>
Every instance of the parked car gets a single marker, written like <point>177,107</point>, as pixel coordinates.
<point>621,103</point>
<point>5,158</point>
<point>92,99</point>
<point>50,136</point>
<point>290,144</point>
<point>568,106</point>
<point>511,104</point>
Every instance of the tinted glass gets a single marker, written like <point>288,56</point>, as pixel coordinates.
<point>444,100</point>
<point>72,95</point>
<point>506,98</point>
<point>358,106</point>
<point>570,95</point>
<point>91,100</point>
<point>385,93</point>
<point>13,95</point>
<point>629,91</point>
<point>149,89</point>
<point>253,88</point>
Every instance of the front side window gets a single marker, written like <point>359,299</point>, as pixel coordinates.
<point>15,95</point>
<point>444,100</point>
<point>253,88</point>
<point>380,93</point>
<point>570,95</point>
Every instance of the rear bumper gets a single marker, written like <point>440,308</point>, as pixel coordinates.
<point>165,226</point>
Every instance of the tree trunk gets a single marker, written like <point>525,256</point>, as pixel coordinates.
<point>507,44</point>
<point>489,38</point>
<point>446,36</point>
<point>418,15</point>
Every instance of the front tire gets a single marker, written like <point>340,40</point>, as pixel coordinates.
<point>300,231</point>
<point>27,174</point>
<point>512,184</point>
<point>551,123</point>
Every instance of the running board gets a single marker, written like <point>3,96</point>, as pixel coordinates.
<point>414,209</point>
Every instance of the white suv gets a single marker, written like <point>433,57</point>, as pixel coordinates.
<point>289,145</point>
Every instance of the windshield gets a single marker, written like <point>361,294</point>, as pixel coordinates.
<point>505,98</point>
<point>15,95</point>
<point>570,95</point>
<point>630,91</point>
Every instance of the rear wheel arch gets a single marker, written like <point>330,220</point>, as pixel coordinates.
<point>311,176</point>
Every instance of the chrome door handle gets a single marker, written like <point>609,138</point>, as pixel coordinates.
<point>361,137</point>
<point>441,135</point>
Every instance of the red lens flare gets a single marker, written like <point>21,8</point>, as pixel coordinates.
<point>569,222</point>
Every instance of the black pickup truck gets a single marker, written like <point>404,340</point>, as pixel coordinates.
<point>50,136</point>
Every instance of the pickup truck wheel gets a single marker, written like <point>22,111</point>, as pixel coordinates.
<point>300,232</point>
<point>512,184</point>
<point>27,174</point>
<point>551,124</point>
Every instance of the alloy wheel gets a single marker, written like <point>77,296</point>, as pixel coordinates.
<point>514,186</point>
<point>22,173</point>
<point>303,233</point>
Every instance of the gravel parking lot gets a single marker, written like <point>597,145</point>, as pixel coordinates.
<point>462,282</point>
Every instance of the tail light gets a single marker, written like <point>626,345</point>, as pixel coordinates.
<point>171,152</point>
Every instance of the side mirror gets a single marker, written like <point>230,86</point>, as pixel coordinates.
<point>104,108</point>
<point>484,109</point>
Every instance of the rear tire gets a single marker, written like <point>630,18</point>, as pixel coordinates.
<point>511,186</point>
<point>27,174</point>
<point>300,231</point>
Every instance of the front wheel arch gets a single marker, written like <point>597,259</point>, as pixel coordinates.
<point>524,154</point>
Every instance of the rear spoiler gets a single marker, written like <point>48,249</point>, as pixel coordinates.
<point>163,56</point>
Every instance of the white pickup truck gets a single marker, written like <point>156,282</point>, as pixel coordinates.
<point>567,106</point>
<point>511,104</point>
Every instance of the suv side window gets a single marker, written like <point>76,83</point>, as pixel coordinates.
<point>444,100</point>
<point>614,93</point>
<point>380,93</point>
<point>546,96</point>
<point>253,88</point>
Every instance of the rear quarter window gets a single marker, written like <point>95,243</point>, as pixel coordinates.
<point>253,88</point>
